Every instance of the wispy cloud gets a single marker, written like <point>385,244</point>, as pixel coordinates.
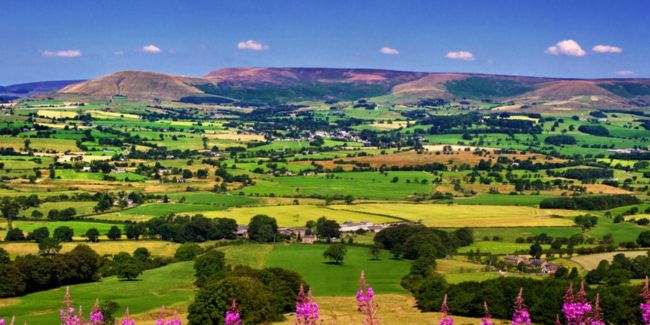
<point>119,52</point>
<point>607,49</point>
<point>61,54</point>
<point>566,47</point>
<point>389,51</point>
<point>460,55</point>
<point>151,49</point>
<point>252,45</point>
<point>624,72</point>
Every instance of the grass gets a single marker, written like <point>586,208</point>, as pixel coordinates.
<point>40,144</point>
<point>82,207</point>
<point>327,279</point>
<point>79,227</point>
<point>171,286</point>
<point>502,199</point>
<point>157,248</point>
<point>449,215</point>
<point>591,261</point>
<point>297,215</point>
<point>361,185</point>
<point>393,309</point>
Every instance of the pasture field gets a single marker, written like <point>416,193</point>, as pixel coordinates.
<point>171,285</point>
<point>327,279</point>
<point>41,144</point>
<point>297,215</point>
<point>82,207</point>
<point>502,199</point>
<point>451,216</point>
<point>591,261</point>
<point>79,227</point>
<point>361,185</point>
<point>157,248</point>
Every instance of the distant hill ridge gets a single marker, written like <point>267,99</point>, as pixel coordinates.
<point>275,85</point>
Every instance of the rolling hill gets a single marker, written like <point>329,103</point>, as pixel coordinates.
<point>282,85</point>
<point>35,88</point>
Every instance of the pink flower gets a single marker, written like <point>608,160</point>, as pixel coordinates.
<point>486,319</point>
<point>366,302</point>
<point>232,315</point>
<point>444,309</point>
<point>520,315</point>
<point>127,319</point>
<point>307,311</point>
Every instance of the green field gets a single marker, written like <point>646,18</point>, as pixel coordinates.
<point>361,185</point>
<point>170,286</point>
<point>326,279</point>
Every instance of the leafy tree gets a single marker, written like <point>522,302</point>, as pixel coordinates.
<point>15,234</point>
<point>10,209</point>
<point>39,234</point>
<point>336,252</point>
<point>49,246</point>
<point>63,234</point>
<point>114,233</point>
<point>643,239</point>
<point>4,256</point>
<point>326,228</point>
<point>108,309</point>
<point>536,250</point>
<point>93,235</point>
<point>253,300</point>
<point>375,250</point>
<point>142,255</point>
<point>208,266</point>
<point>586,222</point>
<point>262,228</point>
<point>188,252</point>
<point>127,269</point>
<point>465,236</point>
<point>12,281</point>
<point>134,230</point>
<point>104,202</point>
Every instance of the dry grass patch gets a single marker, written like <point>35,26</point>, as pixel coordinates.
<point>393,309</point>
<point>591,261</point>
<point>451,215</point>
<point>157,248</point>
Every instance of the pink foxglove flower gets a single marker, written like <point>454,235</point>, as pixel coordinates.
<point>96,316</point>
<point>444,309</point>
<point>127,319</point>
<point>232,315</point>
<point>597,317</point>
<point>645,304</point>
<point>486,319</point>
<point>576,309</point>
<point>520,315</point>
<point>366,302</point>
<point>307,312</point>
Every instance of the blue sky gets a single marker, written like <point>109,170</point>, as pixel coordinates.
<point>50,40</point>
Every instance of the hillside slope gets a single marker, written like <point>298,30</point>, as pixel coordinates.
<point>282,85</point>
<point>137,84</point>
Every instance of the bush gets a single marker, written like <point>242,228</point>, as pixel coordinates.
<point>560,140</point>
<point>188,252</point>
<point>15,234</point>
<point>253,300</point>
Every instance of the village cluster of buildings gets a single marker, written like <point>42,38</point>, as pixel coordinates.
<point>303,236</point>
<point>531,264</point>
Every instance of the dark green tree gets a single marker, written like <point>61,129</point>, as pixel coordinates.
<point>208,266</point>
<point>262,228</point>
<point>114,233</point>
<point>93,235</point>
<point>63,234</point>
<point>336,252</point>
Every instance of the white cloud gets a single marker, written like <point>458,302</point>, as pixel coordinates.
<point>607,49</point>
<point>566,47</point>
<point>61,54</point>
<point>252,45</point>
<point>118,52</point>
<point>151,49</point>
<point>389,51</point>
<point>460,55</point>
<point>624,72</point>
